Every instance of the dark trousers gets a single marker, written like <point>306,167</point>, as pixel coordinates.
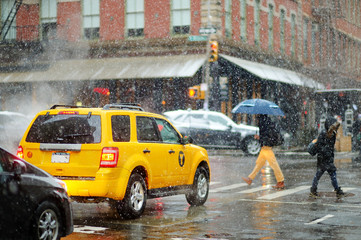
<point>319,174</point>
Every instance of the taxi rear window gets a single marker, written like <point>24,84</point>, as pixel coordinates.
<point>65,129</point>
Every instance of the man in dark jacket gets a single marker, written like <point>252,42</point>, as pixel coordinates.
<point>266,154</point>
<point>324,146</point>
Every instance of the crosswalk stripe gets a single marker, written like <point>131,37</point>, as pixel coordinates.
<point>214,183</point>
<point>320,219</point>
<point>283,193</point>
<point>252,190</point>
<point>228,187</point>
<point>88,229</point>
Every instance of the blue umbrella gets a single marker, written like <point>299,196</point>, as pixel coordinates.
<point>258,106</point>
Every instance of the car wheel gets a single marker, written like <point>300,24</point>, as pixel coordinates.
<point>199,193</point>
<point>46,222</point>
<point>252,146</point>
<point>133,204</point>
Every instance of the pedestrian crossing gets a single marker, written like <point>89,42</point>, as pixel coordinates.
<point>243,188</point>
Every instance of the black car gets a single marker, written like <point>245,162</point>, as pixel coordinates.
<point>212,129</point>
<point>33,204</point>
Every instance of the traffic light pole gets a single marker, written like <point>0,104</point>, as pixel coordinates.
<point>206,78</point>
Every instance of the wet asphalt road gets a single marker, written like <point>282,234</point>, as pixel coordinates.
<point>235,210</point>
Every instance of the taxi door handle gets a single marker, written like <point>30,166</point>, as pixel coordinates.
<point>171,151</point>
<point>146,151</point>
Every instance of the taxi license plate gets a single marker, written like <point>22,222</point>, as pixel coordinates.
<point>60,157</point>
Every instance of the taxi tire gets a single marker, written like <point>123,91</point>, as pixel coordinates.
<point>199,192</point>
<point>133,204</point>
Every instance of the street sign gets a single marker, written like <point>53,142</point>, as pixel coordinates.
<point>207,30</point>
<point>197,38</point>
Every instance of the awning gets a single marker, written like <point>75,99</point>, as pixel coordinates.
<point>181,66</point>
<point>271,73</point>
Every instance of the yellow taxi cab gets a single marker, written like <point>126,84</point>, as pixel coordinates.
<point>118,152</point>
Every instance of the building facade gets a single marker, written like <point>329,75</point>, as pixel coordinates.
<point>64,51</point>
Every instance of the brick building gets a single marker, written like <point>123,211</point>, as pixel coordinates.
<point>60,51</point>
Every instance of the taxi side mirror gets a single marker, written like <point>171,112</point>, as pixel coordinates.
<point>187,140</point>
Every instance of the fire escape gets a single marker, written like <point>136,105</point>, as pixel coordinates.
<point>6,25</point>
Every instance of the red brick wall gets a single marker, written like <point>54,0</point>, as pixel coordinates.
<point>195,16</point>
<point>156,18</point>
<point>69,19</point>
<point>27,21</point>
<point>236,19</point>
<point>112,17</point>
<point>250,25</point>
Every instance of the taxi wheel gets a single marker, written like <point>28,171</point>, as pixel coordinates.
<point>200,188</point>
<point>133,204</point>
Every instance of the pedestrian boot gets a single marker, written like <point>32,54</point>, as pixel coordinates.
<point>339,192</point>
<point>247,180</point>
<point>314,193</point>
<point>279,185</point>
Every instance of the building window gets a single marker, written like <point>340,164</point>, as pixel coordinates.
<point>6,6</point>
<point>228,17</point>
<point>257,22</point>
<point>305,38</point>
<point>270,27</point>
<point>243,20</point>
<point>135,18</point>
<point>313,42</point>
<point>320,48</point>
<point>282,31</point>
<point>293,35</point>
<point>48,19</point>
<point>181,16</point>
<point>91,20</point>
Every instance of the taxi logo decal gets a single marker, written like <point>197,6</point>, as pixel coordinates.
<point>181,159</point>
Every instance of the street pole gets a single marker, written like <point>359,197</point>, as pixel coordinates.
<point>206,97</point>
<point>208,51</point>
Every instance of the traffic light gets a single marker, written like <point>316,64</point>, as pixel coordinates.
<point>214,51</point>
<point>195,92</point>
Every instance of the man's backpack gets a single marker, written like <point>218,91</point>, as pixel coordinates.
<point>275,137</point>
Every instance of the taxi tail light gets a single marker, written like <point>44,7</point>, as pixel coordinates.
<point>109,157</point>
<point>20,152</point>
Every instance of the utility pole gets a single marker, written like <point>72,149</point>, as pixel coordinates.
<point>208,50</point>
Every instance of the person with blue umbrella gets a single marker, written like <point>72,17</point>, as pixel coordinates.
<point>267,136</point>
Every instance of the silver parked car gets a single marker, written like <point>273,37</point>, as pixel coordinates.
<point>215,130</point>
